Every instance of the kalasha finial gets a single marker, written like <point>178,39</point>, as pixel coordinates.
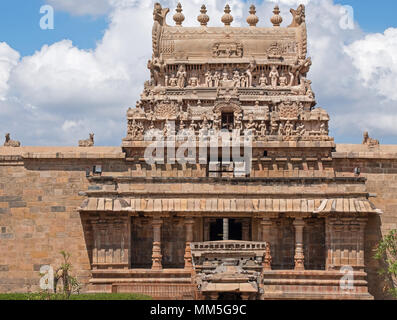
<point>178,16</point>
<point>276,19</point>
<point>227,18</point>
<point>252,18</point>
<point>203,18</point>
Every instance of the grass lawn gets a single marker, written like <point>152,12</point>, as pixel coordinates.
<point>91,296</point>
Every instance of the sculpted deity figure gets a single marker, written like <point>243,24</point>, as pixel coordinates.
<point>273,128</point>
<point>283,80</point>
<point>263,81</point>
<point>217,122</point>
<point>291,79</point>
<point>181,75</point>
<point>192,129</point>
<point>157,69</point>
<point>281,131</point>
<point>262,128</point>
<point>216,78</point>
<point>301,130</point>
<point>249,72</point>
<point>244,81</point>
<point>236,79</point>
<point>274,75</point>
<point>225,76</point>
<point>173,82</point>
<point>288,129</point>
<point>193,82</point>
<point>250,127</point>
<point>208,79</point>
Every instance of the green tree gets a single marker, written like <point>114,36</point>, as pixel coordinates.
<point>386,252</point>
<point>70,283</point>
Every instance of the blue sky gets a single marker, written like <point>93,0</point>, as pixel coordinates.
<point>19,27</point>
<point>19,23</point>
<point>62,90</point>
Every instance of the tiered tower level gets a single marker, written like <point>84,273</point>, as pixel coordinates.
<point>247,79</point>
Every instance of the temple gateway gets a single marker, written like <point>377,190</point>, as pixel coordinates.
<point>289,215</point>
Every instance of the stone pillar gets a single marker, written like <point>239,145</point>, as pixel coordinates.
<point>156,253</point>
<point>206,228</point>
<point>361,243</point>
<point>226,229</point>
<point>189,222</point>
<point>299,253</point>
<point>266,237</point>
<point>246,230</point>
<point>266,229</point>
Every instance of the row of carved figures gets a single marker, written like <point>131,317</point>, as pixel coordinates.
<point>275,77</point>
<point>136,129</point>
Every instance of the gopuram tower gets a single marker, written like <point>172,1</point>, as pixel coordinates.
<point>270,221</point>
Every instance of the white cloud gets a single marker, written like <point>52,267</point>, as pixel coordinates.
<point>375,59</point>
<point>82,7</point>
<point>61,93</point>
<point>8,60</point>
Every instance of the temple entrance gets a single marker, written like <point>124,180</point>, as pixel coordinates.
<point>227,120</point>
<point>216,230</point>
<point>227,229</point>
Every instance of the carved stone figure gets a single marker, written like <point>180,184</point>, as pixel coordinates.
<point>236,79</point>
<point>250,127</point>
<point>274,75</point>
<point>216,78</point>
<point>208,79</point>
<point>193,82</point>
<point>273,128</point>
<point>262,129</point>
<point>283,80</point>
<point>157,68</point>
<point>87,143</point>
<point>173,81</point>
<point>11,143</point>
<point>181,75</point>
<point>369,141</point>
<point>288,128</point>
<point>298,16</point>
<point>249,71</point>
<point>263,81</point>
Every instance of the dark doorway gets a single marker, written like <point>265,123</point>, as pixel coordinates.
<point>227,120</point>
<point>235,230</point>
<point>216,230</point>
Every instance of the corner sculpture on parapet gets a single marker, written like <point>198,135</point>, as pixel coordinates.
<point>253,78</point>
<point>369,141</point>
<point>11,143</point>
<point>87,143</point>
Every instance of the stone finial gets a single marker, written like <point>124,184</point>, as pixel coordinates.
<point>276,19</point>
<point>203,18</point>
<point>227,18</point>
<point>178,16</point>
<point>252,18</point>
